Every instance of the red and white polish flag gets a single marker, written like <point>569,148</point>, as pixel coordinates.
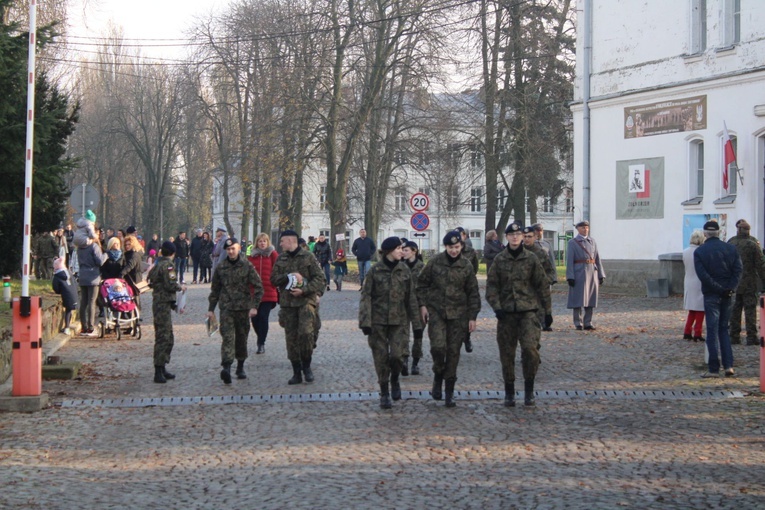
<point>730,155</point>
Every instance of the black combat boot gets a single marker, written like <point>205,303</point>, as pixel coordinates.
<point>528,392</point>
<point>395,387</point>
<point>510,394</point>
<point>468,344</point>
<point>415,368</point>
<point>225,374</point>
<point>385,402</point>
<point>297,375</point>
<point>307,372</point>
<point>240,369</point>
<point>450,392</point>
<point>159,374</point>
<point>405,367</point>
<point>167,374</point>
<point>438,381</point>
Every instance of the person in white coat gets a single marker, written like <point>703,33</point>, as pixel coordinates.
<point>584,274</point>
<point>693,299</point>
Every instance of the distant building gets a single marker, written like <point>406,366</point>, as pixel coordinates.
<point>665,78</point>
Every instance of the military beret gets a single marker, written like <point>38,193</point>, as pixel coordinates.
<point>231,241</point>
<point>528,230</point>
<point>712,226</point>
<point>287,233</point>
<point>460,230</point>
<point>743,225</point>
<point>130,230</point>
<point>583,223</point>
<point>404,240</point>
<point>537,227</point>
<point>452,238</point>
<point>513,227</point>
<point>412,245</point>
<point>300,240</point>
<point>168,248</point>
<point>390,244</point>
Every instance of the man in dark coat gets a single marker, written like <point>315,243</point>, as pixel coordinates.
<point>181,256</point>
<point>584,274</point>
<point>364,249</point>
<point>195,250</point>
<point>323,252</point>
<point>719,268</point>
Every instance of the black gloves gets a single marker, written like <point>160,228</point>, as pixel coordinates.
<point>501,314</point>
<point>571,282</point>
<point>366,330</point>
<point>418,334</point>
<point>548,321</point>
<point>601,280</point>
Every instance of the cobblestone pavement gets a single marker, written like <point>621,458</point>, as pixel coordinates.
<point>581,452</point>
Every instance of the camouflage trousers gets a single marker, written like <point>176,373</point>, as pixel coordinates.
<point>385,342</point>
<point>163,332</point>
<point>746,302</point>
<point>446,337</point>
<point>518,327</point>
<point>234,329</point>
<point>299,325</point>
<point>416,351</point>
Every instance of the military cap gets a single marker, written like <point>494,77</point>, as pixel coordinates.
<point>583,223</point>
<point>231,241</point>
<point>390,244</point>
<point>412,245</point>
<point>287,233</point>
<point>513,227</point>
<point>537,227</point>
<point>712,226</point>
<point>404,240</point>
<point>460,230</point>
<point>168,248</point>
<point>452,238</point>
<point>301,241</point>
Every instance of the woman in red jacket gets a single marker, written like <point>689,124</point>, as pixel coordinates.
<point>263,257</point>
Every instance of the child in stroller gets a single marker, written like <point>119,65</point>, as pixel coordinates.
<point>121,310</point>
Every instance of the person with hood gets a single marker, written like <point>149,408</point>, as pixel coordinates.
<point>323,253</point>
<point>263,257</point>
<point>63,284</point>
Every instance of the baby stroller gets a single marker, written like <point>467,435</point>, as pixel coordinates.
<point>119,313</point>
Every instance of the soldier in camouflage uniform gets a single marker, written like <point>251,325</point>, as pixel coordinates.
<point>748,288</point>
<point>301,282</point>
<point>388,304</point>
<point>469,254</point>
<point>447,290</point>
<point>413,260</point>
<point>164,283</point>
<point>530,244</point>
<point>515,289</point>
<point>237,289</point>
<point>47,250</point>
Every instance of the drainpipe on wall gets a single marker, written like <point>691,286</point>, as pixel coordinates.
<point>587,60</point>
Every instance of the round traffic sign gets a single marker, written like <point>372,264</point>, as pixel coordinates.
<point>419,202</point>
<point>84,197</point>
<point>420,221</point>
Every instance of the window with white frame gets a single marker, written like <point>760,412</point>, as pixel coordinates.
<point>476,157</point>
<point>547,202</point>
<point>323,199</point>
<point>476,197</point>
<point>452,198</point>
<point>698,27</point>
<point>324,232</point>
<point>569,201</point>
<point>696,169</point>
<point>731,22</point>
<point>501,198</point>
<point>424,190</point>
<point>400,199</point>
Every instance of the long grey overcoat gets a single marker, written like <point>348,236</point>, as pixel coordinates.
<point>584,267</point>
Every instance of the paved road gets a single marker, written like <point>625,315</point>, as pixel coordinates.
<point>581,452</point>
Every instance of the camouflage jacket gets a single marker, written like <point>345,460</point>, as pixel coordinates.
<point>469,254</point>
<point>47,247</point>
<point>416,269</point>
<point>518,284</point>
<point>235,286</point>
<point>303,262</point>
<point>753,261</point>
<point>449,289</point>
<point>163,281</point>
<point>388,297</point>
<point>544,258</point>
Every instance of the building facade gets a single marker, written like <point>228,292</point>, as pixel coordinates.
<point>665,79</point>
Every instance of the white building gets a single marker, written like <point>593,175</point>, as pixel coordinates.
<point>664,79</point>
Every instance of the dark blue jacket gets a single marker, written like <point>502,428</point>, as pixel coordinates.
<point>364,249</point>
<point>718,266</point>
<point>62,284</point>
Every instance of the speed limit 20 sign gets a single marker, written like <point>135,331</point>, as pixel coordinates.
<point>419,202</point>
